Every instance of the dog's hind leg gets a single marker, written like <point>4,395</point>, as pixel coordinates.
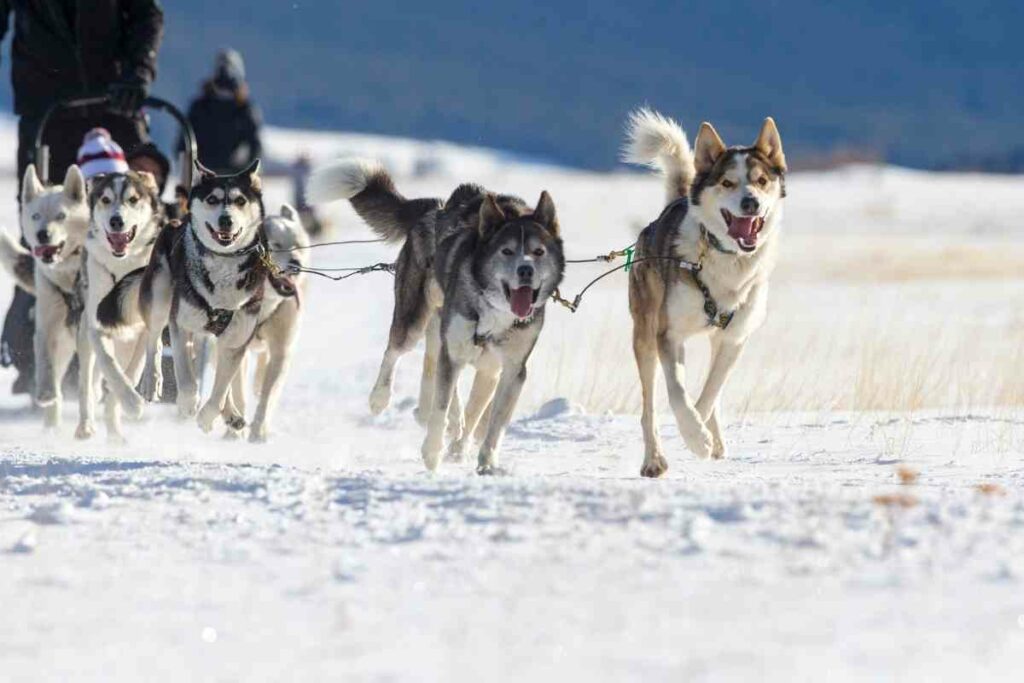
<point>725,354</point>
<point>644,309</point>
<point>414,308</point>
<point>488,370</point>
<point>428,379</point>
<point>86,385</point>
<point>691,427</point>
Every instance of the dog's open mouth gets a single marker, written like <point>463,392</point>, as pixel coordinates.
<point>48,253</point>
<point>521,300</point>
<point>223,238</point>
<point>120,241</point>
<point>744,229</point>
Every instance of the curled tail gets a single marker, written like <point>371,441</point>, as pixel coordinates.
<point>373,195</point>
<point>18,261</point>
<point>659,142</point>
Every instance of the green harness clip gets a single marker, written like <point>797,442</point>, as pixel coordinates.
<point>629,258</point>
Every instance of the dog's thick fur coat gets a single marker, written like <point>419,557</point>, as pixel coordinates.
<point>724,212</point>
<point>473,276</point>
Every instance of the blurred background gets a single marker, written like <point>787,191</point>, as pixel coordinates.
<point>925,83</point>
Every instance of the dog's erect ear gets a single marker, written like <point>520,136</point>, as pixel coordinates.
<point>289,213</point>
<point>74,184</point>
<point>708,148</point>
<point>149,181</point>
<point>769,143</point>
<point>545,214</point>
<point>491,215</point>
<point>200,173</point>
<point>253,173</point>
<point>31,186</point>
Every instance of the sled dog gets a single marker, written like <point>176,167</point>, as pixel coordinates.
<point>473,275</point>
<point>54,222</point>
<point>724,210</point>
<point>207,279</point>
<point>279,316</point>
<point>127,217</point>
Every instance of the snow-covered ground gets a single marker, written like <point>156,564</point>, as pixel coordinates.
<point>868,524</point>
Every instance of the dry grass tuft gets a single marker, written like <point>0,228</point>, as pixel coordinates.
<point>895,500</point>
<point>990,489</point>
<point>907,475</point>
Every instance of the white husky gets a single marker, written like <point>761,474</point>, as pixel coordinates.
<point>54,221</point>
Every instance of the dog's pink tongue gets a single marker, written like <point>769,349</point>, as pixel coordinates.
<point>742,227</point>
<point>118,240</point>
<point>522,301</point>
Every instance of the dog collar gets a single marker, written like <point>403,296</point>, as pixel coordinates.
<point>713,241</point>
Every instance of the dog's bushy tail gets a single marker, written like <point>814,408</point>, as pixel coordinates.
<point>18,261</point>
<point>373,195</point>
<point>659,142</point>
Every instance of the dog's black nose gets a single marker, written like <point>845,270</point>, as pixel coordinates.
<point>116,222</point>
<point>525,273</point>
<point>224,221</point>
<point>43,237</point>
<point>750,205</point>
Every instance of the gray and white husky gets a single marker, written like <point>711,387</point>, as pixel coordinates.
<point>54,222</point>
<point>127,217</point>
<point>473,275</point>
<point>207,278</point>
<point>279,316</point>
<point>724,212</point>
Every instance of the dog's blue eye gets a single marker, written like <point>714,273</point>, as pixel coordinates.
<point>507,252</point>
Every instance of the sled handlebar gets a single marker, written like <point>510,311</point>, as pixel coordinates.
<point>41,152</point>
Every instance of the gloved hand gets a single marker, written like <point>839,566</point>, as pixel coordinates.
<point>126,96</point>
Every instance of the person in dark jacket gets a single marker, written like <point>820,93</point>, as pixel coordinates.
<point>73,48</point>
<point>226,122</point>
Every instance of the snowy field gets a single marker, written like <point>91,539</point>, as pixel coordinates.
<point>869,523</point>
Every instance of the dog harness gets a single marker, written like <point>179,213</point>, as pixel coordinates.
<point>715,316</point>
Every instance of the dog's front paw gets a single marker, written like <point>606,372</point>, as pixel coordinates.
<point>431,455</point>
<point>719,451</point>
<point>258,433</point>
<point>134,405</point>
<point>206,417</point>
<point>85,430</point>
<point>701,443</point>
<point>188,405</point>
<point>654,466</point>
<point>46,396</point>
<point>152,386</point>
<point>234,421</point>
<point>457,451</point>
<point>380,397</point>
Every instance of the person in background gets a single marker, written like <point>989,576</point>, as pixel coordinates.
<point>63,49</point>
<point>226,122</point>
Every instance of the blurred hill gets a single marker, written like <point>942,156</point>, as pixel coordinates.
<point>921,83</point>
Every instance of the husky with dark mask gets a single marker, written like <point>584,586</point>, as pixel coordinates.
<point>473,275</point>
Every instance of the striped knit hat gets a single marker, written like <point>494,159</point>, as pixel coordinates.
<point>100,154</point>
